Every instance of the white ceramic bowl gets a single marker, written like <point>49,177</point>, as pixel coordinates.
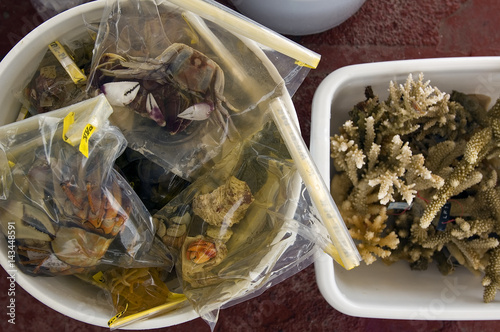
<point>298,17</point>
<point>395,291</point>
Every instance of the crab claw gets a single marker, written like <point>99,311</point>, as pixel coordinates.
<point>154,110</point>
<point>120,93</point>
<point>197,112</point>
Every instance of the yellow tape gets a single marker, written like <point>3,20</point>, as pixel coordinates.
<point>99,277</point>
<point>174,300</point>
<point>84,143</point>
<point>68,121</point>
<point>118,315</point>
<point>67,62</point>
<point>333,252</point>
<point>86,134</point>
<point>303,64</point>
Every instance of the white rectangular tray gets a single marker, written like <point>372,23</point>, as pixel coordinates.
<point>397,292</point>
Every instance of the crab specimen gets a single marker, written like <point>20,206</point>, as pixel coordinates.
<point>65,217</point>
<point>42,244</point>
<point>100,211</point>
<point>51,87</point>
<point>177,87</point>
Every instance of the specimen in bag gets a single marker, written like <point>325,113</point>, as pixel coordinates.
<point>177,87</point>
<point>67,207</point>
<point>416,179</point>
<point>51,87</point>
<point>134,290</point>
<point>217,211</point>
<point>66,215</point>
<point>226,205</point>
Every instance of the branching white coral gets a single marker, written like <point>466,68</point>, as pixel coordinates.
<point>491,279</point>
<point>463,173</point>
<point>414,100</point>
<point>469,252</point>
<point>368,231</point>
<point>426,148</point>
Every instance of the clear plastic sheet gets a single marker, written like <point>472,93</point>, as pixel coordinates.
<point>154,185</point>
<point>70,209</point>
<point>243,226</point>
<point>184,88</point>
<point>135,293</point>
<point>60,79</point>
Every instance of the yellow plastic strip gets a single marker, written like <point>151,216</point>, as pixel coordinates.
<point>117,316</point>
<point>239,24</point>
<point>67,62</point>
<point>68,121</point>
<point>302,64</point>
<point>173,301</point>
<point>342,249</point>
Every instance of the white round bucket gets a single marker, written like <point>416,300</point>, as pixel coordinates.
<point>69,295</point>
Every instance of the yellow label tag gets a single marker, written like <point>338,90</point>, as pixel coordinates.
<point>86,134</point>
<point>11,164</point>
<point>68,121</point>
<point>84,143</point>
<point>67,62</point>
<point>118,315</point>
<point>303,64</point>
<point>99,277</point>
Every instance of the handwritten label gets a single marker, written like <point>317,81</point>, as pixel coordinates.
<point>398,206</point>
<point>444,217</point>
<point>84,143</point>
<point>67,62</point>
